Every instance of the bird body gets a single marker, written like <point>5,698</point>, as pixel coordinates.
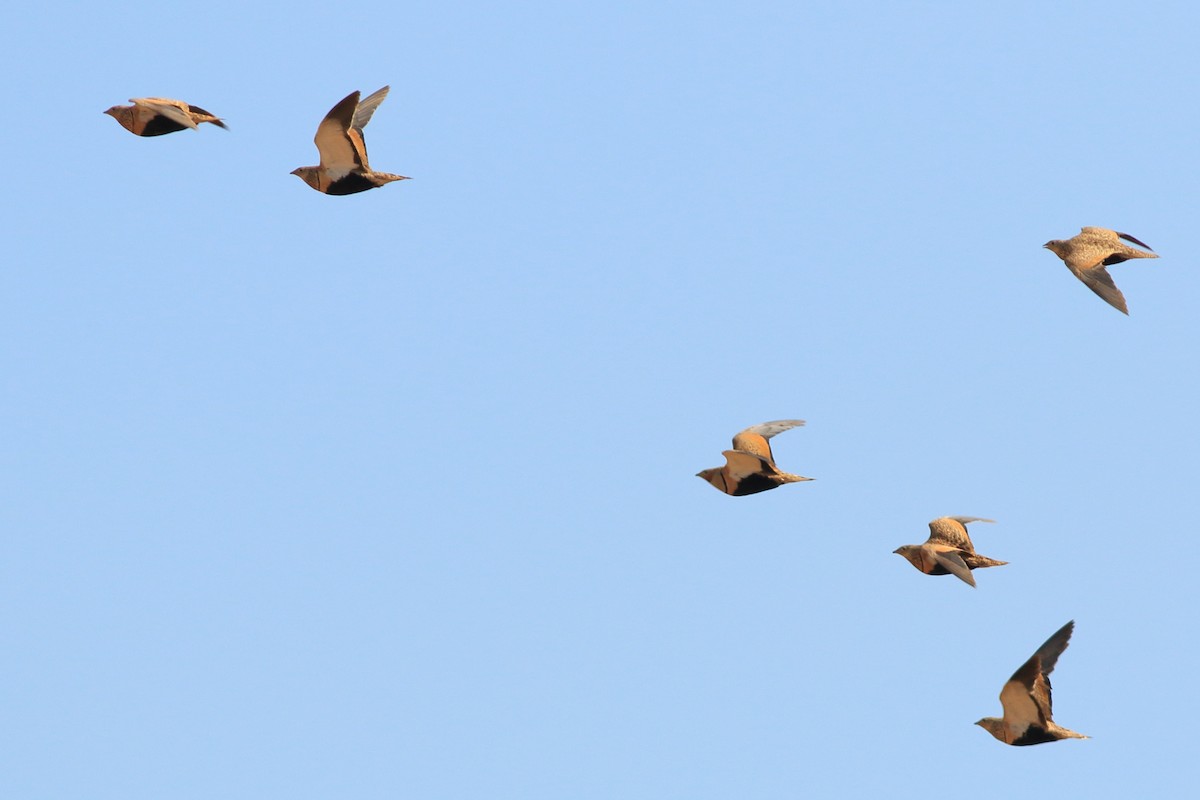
<point>344,168</point>
<point>948,550</point>
<point>1090,251</point>
<point>155,116</point>
<point>1026,699</point>
<point>750,465</point>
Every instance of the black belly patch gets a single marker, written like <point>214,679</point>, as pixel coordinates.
<point>1034,734</point>
<point>350,184</point>
<point>158,125</point>
<point>753,484</point>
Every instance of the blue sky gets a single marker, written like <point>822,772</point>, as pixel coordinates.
<point>393,495</point>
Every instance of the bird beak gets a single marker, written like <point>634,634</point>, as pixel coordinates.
<point>896,551</point>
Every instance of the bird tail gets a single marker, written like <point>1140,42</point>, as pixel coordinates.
<point>788,477</point>
<point>200,115</point>
<point>976,561</point>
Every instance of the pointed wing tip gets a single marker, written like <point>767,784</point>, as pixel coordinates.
<point>1136,241</point>
<point>778,425</point>
<point>953,563</point>
<point>1065,631</point>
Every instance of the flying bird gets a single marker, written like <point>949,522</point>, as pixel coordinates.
<point>948,550</point>
<point>344,168</point>
<point>750,466</point>
<point>154,116</point>
<point>1093,249</point>
<point>1026,699</point>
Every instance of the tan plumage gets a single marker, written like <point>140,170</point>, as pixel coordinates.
<point>154,116</point>
<point>948,550</point>
<point>344,168</point>
<point>1027,701</point>
<point>750,465</point>
<point>1093,249</point>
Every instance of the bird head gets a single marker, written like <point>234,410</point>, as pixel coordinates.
<point>912,552</point>
<point>1055,246</point>
<point>714,476</point>
<point>993,725</point>
<point>310,175</point>
<point>123,115</point>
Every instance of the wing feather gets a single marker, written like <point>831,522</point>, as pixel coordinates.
<point>339,153</point>
<point>1099,281</point>
<point>755,439</point>
<point>955,565</point>
<point>953,531</point>
<point>1139,243</point>
<point>741,464</point>
<point>171,109</point>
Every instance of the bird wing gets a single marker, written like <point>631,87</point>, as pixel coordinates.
<point>741,465</point>
<point>340,154</point>
<point>362,115</point>
<point>173,110</point>
<point>1026,696</point>
<point>1053,647</point>
<point>1091,231</point>
<point>953,531</point>
<point>1099,281</point>
<point>755,438</point>
<point>954,564</point>
<point>1129,238</point>
<point>209,116</point>
<point>968,520</point>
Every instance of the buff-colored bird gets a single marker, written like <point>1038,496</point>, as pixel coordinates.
<point>750,465</point>
<point>344,168</point>
<point>1026,699</point>
<point>948,550</point>
<point>154,116</point>
<point>1087,255</point>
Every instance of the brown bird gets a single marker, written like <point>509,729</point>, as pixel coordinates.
<point>154,116</point>
<point>344,168</point>
<point>1026,699</point>
<point>1087,255</point>
<point>948,550</point>
<point>750,466</point>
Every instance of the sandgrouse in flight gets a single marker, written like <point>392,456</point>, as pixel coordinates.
<point>1093,249</point>
<point>344,168</point>
<point>154,116</point>
<point>948,550</point>
<point>1026,699</point>
<point>750,466</point>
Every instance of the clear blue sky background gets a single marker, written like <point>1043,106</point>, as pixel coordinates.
<point>393,495</point>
